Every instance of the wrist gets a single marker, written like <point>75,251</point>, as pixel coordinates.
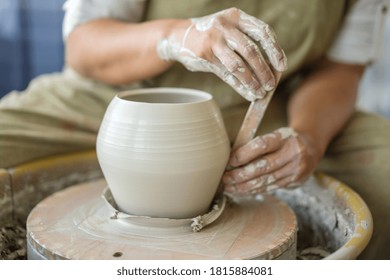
<point>170,38</point>
<point>315,146</point>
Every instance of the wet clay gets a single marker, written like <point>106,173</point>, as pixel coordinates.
<point>326,221</point>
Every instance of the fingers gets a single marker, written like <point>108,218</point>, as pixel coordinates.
<point>289,154</point>
<point>276,156</point>
<point>260,32</point>
<point>247,172</point>
<point>225,43</point>
<point>245,61</point>
<point>285,164</point>
<point>289,182</point>
<point>259,167</point>
<point>263,33</point>
<point>246,83</point>
<point>262,183</point>
<point>259,146</point>
<point>256,64</point>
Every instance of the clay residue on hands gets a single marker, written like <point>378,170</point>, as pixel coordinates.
<point>268,162</point>
<point>225,43</point>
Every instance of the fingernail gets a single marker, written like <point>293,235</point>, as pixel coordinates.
<point>282,65</point>
<point>249,95</point>
<point>270,85</point>
<point>270,179</point>
<point>228,180</point>
<point>234,161</point>
<point>252,95</point>
<point>230,189</point>
<point>261,93</point>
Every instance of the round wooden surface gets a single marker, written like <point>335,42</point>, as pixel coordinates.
<point>75,223</point>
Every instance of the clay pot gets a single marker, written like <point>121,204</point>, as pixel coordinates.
<point>163,151</point>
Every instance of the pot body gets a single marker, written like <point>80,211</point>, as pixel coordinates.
<point>163,151</point>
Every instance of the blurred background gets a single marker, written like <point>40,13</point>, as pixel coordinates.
<point>374,92</point>
<point>30,41</point>
<point>31,44</point>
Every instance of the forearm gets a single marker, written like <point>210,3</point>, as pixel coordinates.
<point>116,52</point>
<point>322,105</point>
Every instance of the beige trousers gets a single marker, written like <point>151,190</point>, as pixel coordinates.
<point>61,113</point>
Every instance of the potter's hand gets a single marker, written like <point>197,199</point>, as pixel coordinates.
<point>224,43</point>
<point>280,159</point>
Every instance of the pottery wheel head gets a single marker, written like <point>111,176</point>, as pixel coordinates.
<point>194,224</point>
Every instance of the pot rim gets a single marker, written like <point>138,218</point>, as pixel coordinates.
<point>195,96</point>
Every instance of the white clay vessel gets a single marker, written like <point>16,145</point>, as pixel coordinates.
<point>163,151</point>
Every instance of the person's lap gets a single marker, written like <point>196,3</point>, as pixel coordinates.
<point>57,113</point>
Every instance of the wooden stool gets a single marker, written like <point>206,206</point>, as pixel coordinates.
<point>75,224</point>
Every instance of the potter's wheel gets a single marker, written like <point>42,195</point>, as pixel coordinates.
<point>75,224</point>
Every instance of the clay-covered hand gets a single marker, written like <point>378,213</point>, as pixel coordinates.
<point>281,159</point>
<point>226,44</point>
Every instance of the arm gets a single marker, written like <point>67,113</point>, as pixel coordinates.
<point>116,52</point>
<point>317,111</point>
<point>322,105</point>
<point>223,43</point>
